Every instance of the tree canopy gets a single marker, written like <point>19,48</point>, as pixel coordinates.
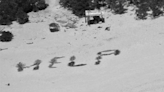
<point>16,10</point>
<point>78,7</point>
<point>155,7</point>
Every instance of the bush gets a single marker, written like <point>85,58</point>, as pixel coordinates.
<point>37,62</point>
<point>141,12</point>
<point>21,16</point>
<point>20,66</point>
<point>6,36</point>
<point>52,62</point>
<point>143,6</point>
<point>16,10</point>
<point>78,7</point>
<point>117,6</point>
<point>7,11</point>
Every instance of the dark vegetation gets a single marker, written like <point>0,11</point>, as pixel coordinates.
<point>36,64</point>
<point>78,7</point>
<point>36,67</point>
<point>54,61</point>
<point>5,36</point>
<point>98,60</point>
<point>20,66</point>
<point>155,7</point>
<point>72,63</point>
<point>117,52</point>
<point>16,10</point>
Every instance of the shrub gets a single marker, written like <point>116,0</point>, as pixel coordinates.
<point>117,52</point>
<point>117,6</point>
<point>8,9</point>
<point>20,66</point>
<point>143,6</point>
<point>6,36</point>
<point>36,67</point>
<point>72,63</point>
<point>21,16</point>
<point>12,10</point>
<point>37,62</point>
<point>78,7</point>
<point>156,12</point>
<point>72,58</point>
<point>141,12</point>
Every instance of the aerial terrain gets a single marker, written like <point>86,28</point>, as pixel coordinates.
<point>130,54</point>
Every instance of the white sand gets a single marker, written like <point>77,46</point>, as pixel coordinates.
<point>138,68</point>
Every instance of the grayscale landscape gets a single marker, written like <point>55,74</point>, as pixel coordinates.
<point>121,55</point>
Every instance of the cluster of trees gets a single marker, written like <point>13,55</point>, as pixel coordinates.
<point>78,7</point>
<point>155,7</point>
<point>16,10</point>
